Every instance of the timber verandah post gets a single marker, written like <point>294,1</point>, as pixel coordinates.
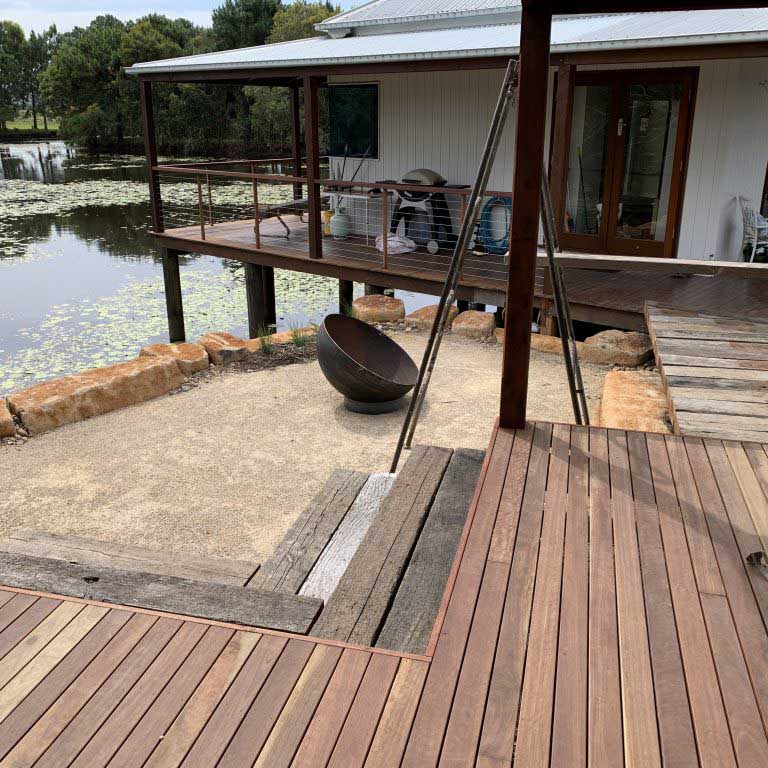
<point>312,142</point>
<point>171,277</point>
<point>296,138</point>
<point>535,30</point>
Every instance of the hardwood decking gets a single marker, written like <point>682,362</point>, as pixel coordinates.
<point>601,611</point>
<point>715,371</point>
<point>614,298</point>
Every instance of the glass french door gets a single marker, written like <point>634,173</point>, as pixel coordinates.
<point>628,144</point>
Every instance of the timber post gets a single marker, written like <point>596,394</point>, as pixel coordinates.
<point>174,306</point>
<point>173,302</point>
<point>150,147</point>
<point>346,295</point>
<point>260,297</point>
<point>268,278</point>
<point>561,142</point>
<point>535,31</point>
<point>296,138</point>
<point>312,146</point>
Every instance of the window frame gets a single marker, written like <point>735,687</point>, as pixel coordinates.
<point>372,155</point>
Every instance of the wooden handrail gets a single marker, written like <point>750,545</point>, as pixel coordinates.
<point>230,174</point>
<point>244,161</point>
<point>397,186</point>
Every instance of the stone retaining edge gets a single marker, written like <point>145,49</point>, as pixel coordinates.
<point>50,404</point>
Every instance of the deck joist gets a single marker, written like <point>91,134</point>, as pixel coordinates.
<point>602,610</point>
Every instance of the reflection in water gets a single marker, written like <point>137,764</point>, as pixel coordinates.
<point>80,279</point>
<point>55,162</point>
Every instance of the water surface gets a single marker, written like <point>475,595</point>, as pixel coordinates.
<point>81,282</point>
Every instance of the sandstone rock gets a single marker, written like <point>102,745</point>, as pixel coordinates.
<point>550,344</point>
<point>52,404</point>
<point>617,348</point>
<point>190,358</point>
<point>224,348</point>
<point>283,337</point>
<point>605,348</point>
<point>474,324</point>
<point>379,309</point>
<point>634,400</point>
<point>423,318</point>
<point>7,424</point>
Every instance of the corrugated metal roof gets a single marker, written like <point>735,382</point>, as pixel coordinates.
<point>380,11</point>
<point>572,34</point>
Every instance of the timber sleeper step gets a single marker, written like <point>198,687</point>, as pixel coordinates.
<point>95,553</point>
<point>356,609</point>
<point>217,602</point>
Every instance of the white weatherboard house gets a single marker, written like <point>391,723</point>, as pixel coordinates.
<point>659,122</point>
<point>656,151</point>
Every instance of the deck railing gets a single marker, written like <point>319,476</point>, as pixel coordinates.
<point>359,219</point>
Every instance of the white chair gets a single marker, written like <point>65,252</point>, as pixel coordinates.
<point>754,244</point>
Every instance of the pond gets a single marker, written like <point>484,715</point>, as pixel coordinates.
<point>81,282</point>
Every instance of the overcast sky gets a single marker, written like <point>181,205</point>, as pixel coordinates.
<point>65,14</point>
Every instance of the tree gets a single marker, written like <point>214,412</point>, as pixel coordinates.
<point>81,82</point>
<point>243,23</point>
<point>40,48</point>
<point>12,55</point>
<point>297,20</point>
<point>85,83</point>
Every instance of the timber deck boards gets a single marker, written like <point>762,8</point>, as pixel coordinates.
<point>613,298</point>
<point>601,611</point>
<point>715,370</point>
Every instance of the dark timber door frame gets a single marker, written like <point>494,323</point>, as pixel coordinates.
<point>607,239</point>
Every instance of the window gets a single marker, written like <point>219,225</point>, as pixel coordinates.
<point>353,118</point>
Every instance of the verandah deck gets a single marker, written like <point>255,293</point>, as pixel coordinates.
<point>607,296</point>
<point>601,611</point>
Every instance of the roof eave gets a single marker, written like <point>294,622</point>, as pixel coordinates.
<point>558,48</point>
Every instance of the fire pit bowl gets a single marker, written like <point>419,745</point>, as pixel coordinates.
<point>364,364</point>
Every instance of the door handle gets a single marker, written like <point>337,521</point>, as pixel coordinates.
<point>620,127</point>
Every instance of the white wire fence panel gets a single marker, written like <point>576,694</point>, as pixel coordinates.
<point>355,223</point>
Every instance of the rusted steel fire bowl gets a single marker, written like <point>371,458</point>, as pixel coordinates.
<point>364,364</point>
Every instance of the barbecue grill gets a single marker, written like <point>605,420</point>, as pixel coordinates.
<point>430,222</point>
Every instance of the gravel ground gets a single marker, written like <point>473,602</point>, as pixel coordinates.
<point>224,469</point>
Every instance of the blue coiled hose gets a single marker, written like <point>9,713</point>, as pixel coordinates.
<point>495,245</point>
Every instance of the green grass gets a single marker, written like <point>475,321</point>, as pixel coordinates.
<point>265,335</point>
<point>24,123</point>
<point>298,337</point>
<point>348,309</point>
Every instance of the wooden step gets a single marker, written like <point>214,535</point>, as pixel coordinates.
<point>408,624</point>
<point>218,602</point>
<point>339,551</point>
<point>93,553</point>
<point>355,610</point>
<point>301,547</point>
